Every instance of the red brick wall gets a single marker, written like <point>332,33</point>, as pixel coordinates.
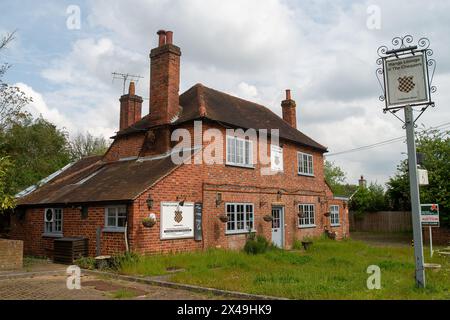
<point>125,146</point>
<point>30,229</point>
<point>11,254</point>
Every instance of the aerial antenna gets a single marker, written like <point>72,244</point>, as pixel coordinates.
<point>125,77</point>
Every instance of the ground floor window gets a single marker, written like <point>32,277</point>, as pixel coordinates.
<point>53,218</point>
<point>115,217</point>
<point>334,215</point>
<point>240,217</point>
<point>307,218</point>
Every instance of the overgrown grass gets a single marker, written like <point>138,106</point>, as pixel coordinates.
<point>123,294</point>
<point>328,270</point>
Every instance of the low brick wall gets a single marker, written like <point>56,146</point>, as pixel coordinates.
<point>11,254</point>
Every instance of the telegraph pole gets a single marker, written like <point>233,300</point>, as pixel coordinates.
<point>415,197</point>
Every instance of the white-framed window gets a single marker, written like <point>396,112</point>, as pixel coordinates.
<point>334,215</point>
<point>115,218</point>
<point>240,217</point>
<point>53,219</point>
<point>239,152</point>
<point>308,216</point>
<point>276,158</point>
<point>305,164</point>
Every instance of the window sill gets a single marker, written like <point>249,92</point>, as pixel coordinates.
<point>335,225</point>
<point>52,235</point>
<point>306,175</point>
<point>239,166</point>
<point>231,233</point>
<point>310,226</point>
<point>113,230</point>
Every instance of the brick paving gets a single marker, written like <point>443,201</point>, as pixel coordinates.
<point>53,287</point>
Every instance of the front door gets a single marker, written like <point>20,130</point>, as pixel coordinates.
<point>277,226</point>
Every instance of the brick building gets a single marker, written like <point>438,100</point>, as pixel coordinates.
<point>105,198</point>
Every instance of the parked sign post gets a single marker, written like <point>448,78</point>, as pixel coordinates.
<point>429,216</point>
<point>405,75</point>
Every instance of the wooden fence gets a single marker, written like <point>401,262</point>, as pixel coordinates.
<point>382,221</point>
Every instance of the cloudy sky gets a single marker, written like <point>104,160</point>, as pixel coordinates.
<point>324,51</point>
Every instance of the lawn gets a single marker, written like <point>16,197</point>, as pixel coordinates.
<point>328,270</point>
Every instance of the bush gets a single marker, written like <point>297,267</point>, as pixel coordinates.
<point>256,245</point>
<point>86,263</point>
<point>124,259</point>
<point>297,245</point>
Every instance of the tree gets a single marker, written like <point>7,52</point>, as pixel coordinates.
<point>86,145</point>
<point>6,199</point>
<point>336,178</point>
<point>435,145</point>
<point>12,100</point>
<point>37,149</point>
<point>369,199</point>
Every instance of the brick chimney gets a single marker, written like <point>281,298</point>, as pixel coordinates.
<point>164,79</point>
<point>130,108</point>
<point>362,182</point>
<point>288,106</point>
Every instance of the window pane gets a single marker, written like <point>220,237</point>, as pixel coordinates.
<point>239,151</point>
<point>249,217</point>
<point>240,217</point>
<point>121,221</point>
<point>247,152</point>
<point>231,154</point>
<point>231,217</point>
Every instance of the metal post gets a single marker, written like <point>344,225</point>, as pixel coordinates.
<point>415,200</point>
<point>431,242</point>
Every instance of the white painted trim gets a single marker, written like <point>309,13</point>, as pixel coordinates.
<point>240,231</point>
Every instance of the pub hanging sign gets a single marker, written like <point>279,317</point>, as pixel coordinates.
<point>177,221</point>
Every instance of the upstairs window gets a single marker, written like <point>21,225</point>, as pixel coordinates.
<point>308,216</point>
<point>334,215</point>
<point>115,218</point>
<point>239,152</point>
<point>305,164</point>
<point>53,218</point>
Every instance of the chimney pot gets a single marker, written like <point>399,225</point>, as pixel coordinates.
<point>169,37</point>
<point>288,94</point>
<point>131,89</point>
<point>162,37</point>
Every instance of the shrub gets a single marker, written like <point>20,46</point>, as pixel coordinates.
<point>297,245</point>
<point>86,263</point>
<point>127,258</point>
<point>256,245</point>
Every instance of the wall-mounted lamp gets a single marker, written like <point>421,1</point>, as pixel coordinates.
<point>183,199</point>
<point>218,198</point>
<point>149,202</point>
<point>279,195</point>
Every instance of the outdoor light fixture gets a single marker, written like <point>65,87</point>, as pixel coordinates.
<point>181,203</point>
<point>279,195</point>
<point>149,202</point>
<point>218,198</point>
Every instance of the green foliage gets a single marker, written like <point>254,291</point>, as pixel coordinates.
<point>297,245</point>
<point>369,199</point>
<point>127,258</point>
<point>37,149</point>
<point>435,145</point>
<point>256,245</point>
<point>7,201</point>
<point>336,178</point>
<point>123,294</point>
<point>86,263</point>
<point>330,270</point>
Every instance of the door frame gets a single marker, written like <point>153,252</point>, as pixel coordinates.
<point>282,227</point>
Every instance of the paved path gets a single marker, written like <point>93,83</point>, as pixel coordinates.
<point>53,287</point>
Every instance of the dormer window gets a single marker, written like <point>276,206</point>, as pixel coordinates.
<point>239,152</point>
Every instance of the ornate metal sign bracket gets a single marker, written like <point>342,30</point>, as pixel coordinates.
<point>402,48</point>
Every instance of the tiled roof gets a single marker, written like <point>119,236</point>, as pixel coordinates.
<point>229,110</point>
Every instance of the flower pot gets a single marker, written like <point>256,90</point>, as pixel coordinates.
<point>148,223</point>
<point>223,218</point>
<point>268,218</point>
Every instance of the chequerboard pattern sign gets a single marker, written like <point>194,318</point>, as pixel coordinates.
<point>406,81</point>
<point>177,221</point>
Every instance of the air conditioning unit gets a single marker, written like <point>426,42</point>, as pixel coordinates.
<point>49,215</point>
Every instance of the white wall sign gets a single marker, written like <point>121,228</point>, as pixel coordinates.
<point>406,81</point>
<point>177,221</point>
<point>276,158</point>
